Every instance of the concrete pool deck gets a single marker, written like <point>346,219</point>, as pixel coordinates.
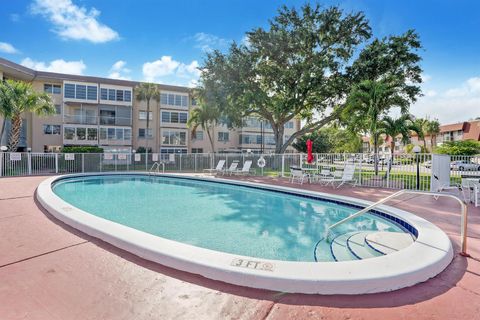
<point>51,271</point>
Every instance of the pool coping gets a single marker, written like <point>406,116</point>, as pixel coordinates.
<point>430,254</point>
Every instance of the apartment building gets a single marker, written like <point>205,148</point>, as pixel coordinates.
<point>94,111</point>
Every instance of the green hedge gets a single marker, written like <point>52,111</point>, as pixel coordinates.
<point>82,149</point>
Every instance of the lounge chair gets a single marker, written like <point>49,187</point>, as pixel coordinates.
<point>298,174</point>
<point>246,168</point>
<point>232,169</point>
<point>347,176</point>
<point>218,169</point>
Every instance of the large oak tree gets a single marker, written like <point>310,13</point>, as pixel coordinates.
<point>302,67</point>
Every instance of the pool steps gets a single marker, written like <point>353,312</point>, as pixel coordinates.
<point>366,244</point>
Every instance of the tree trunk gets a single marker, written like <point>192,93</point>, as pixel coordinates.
<point>146,131</point>
<point>375,153</point>
<point>425,144</point>
<point>279,145</point>
<point>15,131</point>
<point>433,141</point>
<point>210,138</point>
<point>3,130</point>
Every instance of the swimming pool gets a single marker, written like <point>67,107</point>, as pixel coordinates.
<point>243,233</point>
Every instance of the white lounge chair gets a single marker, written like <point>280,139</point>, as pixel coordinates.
<point>298,174</point>
<point>218,169</point>
<point>343,177</point>
<point>246,168</point>
<point>232,169</point>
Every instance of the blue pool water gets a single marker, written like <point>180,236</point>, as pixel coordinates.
<point>218,216</point>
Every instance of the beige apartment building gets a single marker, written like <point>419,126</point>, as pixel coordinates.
<point>94,111</point>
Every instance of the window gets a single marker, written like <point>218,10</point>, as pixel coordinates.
<point>142,131</point>
<point>142,115</point>
<point>174,117</point>
<point>103,94</point>
<point>119,134</point>
<point>128,95</point>
<point>127,134</point>
<point>69,133</point>
<point>58,109</point>
<point>198,135</point>
<point>223,136</point>
<point>69,91</point>
<point>174,99</point>
<point>111,94</point>
<point>111,133</point>
<point>52,88</point>
<point>103,133</point>
<point>288,125</point>
<point>194,102</point>
<point>51,129</point>
<point>197,150</point>
<point>165,116</point>
<point>174,137</point>
<point>119,95</point>
<point>92,134</point>
<point>91,93</point>
<point>81,92</point>
<point>81,133</point>
<point>183,117</point>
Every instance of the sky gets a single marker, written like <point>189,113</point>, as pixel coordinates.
<point>166,41</point>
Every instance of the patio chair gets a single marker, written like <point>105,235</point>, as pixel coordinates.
<point>246,168</point>
<point>343,177</point>
<point>218,168</point>
<point>232,169</point>
<point>298,174</point>
<point>324,175</point>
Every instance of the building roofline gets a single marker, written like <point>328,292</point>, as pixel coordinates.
<point>44,75</point>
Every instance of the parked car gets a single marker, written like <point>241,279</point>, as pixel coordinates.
<point>464,165</point>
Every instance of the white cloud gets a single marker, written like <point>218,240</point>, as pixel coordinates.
<point>208,42</point>
<point>456,104</point>
<point>119,71</point>
<point>426,77</point>
<point>7,48</point>
<point>59,66</point>
<point>167,69</point>
<point>159,68</point>
<point>73,22</point>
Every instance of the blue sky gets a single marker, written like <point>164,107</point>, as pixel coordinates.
<point>164,41</point>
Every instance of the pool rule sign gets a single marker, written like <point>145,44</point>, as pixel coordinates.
<point>252,264</point>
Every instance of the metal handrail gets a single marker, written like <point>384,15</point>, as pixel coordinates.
<point>156,167</point>
<point>463,222</point>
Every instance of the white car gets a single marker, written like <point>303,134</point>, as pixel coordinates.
<point>464,165</point>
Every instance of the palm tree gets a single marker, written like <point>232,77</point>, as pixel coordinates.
<point>399,126</point>
<point>5,104</point>
<point>421,126</point>
<point>146,92</point>
<point>18,98</point>
<point>368,102</point>
<point>433,129</point>
<point>205,116</point>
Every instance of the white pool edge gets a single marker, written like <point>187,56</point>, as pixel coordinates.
<point>431,253</point>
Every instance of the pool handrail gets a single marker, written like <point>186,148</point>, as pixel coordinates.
<point>463,222</point>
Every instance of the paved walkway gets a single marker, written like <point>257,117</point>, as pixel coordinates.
<point>50,271</point>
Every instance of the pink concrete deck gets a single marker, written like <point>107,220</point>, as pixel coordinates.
<point>50,271</point>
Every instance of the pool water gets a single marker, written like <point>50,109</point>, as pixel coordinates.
<point>223,217</point>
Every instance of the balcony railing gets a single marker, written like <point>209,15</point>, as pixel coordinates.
<point>103,120</point>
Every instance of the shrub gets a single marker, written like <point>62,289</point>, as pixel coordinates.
<point>460,148</point>
<point>82,149</point>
